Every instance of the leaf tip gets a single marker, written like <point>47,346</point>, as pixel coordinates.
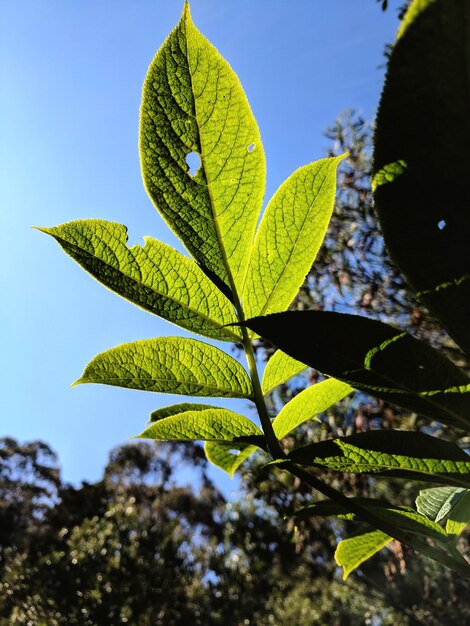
<point>186,11</point>
<point>42,229</point>
<point>79,381</point>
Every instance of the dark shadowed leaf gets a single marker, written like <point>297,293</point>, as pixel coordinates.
<point>375,358</point>
<point>421,159</point>
<point>390,452</point>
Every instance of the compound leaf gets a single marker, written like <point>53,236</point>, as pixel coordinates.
<point>289,237</point>
<point>279,369</point>
<point>421,158</point>
<point>213,424</point>
<point>390,452</point>
<point>155,277</point>
<point>308,403</point>
<point>170,365</point>
<point>375,358</point>
<point>193,103</point>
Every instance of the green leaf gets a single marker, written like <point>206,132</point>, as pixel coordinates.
<point>174,409</point>
<point>155,277</point>
<point>228,456</point>
<point>404,518</point>
<point>390,452</point>
<point>213,424</point>
<point>459,516</point>
<point>422,136</point>
<point>308,403</point>
<point>279,369</point>
<point>289,237</point>
<point>193,103</point>
<point>375,358</point>
<point>170,365</point>
<point>353,551</point>
<point>437,502</point>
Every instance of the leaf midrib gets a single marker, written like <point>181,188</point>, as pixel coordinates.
<point>208,182</point>
<point>241,394</point>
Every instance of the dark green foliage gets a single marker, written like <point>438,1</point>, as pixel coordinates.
<point>421,159</point>
<point>137,546</point>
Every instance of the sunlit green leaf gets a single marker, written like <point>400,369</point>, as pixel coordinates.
<point>279,369</point>
<point>423,123</point>
<point>353,551</point>
<point>193,103</point>
<point>174,409</point>
<point>213,424</point>
<point>155,277</point>
<point>170,365</point>
<point>436,503</point>
<point>228,456</point>
<point>289,237</point>
<point>308,403</point>
<point>390,452</point>
<point>375,358</point>
<point>459,516</point>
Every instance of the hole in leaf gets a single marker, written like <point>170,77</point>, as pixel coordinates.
<point>251,147</point>
<point>234,452</point>
<point>441,224</point>
<point>193,161</point>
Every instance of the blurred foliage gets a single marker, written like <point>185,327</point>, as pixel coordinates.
<point>137,547</point>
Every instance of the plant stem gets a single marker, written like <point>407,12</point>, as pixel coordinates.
<point>273,442</point>
<point>361,513</point>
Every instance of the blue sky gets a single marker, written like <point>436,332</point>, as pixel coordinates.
<point>72,74</point>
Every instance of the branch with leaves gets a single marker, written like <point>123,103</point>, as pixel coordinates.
<point>242,279</point>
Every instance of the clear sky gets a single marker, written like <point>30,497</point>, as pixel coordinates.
<point>71,76</point>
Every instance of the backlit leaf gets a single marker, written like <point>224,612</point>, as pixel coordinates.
<point>421,138</point>
<point>213,424</point>
<point>393,452</point>
<point>279,369</point>
<point>174,409</point>
<point>193,103</point>
<point>170,365</point>
<point>375,358</point>
<point>353,551</point>
<point>459,516</point>
<point>308,403</point>
<point>436,503</point>
<point>155,277</point>
<point>228,456</point>
<point>289,237</point>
